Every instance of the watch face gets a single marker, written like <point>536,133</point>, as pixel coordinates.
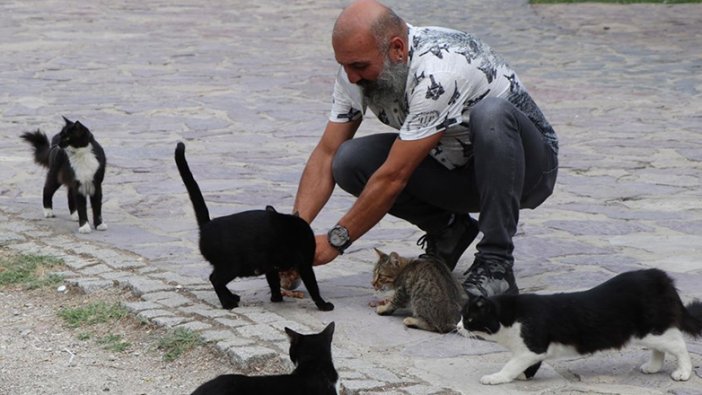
<point>338,236</point>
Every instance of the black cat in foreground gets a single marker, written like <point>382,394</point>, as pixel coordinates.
<point>641,307</point>
<point>252,243</point>
<point>314,372</point>
<point>77,161</point>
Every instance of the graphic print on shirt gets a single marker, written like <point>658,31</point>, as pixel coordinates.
<point>423,119</point>
<point>456,94</point>
<point>435,90</point>
<point>513,83</point>
<point>418,79</point>
<point>436,50</point>
<point>351,115</point>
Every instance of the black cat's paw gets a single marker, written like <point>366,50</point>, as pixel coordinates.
<point>228,305</point>
<point>277,298</point>
<point>325,306</point>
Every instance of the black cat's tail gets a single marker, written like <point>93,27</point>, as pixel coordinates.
<point>41,145</point>
<point>201,212</point>
<point>692,319</point>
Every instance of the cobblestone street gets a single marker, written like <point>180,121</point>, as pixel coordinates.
<point>247,86</point>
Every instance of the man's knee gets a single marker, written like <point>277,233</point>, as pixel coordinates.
<point>345,167</point>
<point>489,113</point>
<point>358,158</point>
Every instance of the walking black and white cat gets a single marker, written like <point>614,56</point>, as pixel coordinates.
<point>639,307</point>
<point>314,372</point>
<point>74,159</point>
<point>251,243</point>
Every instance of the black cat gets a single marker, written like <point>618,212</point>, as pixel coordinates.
<point>77,161</point>
<point>641,307</point>
<point>251,243</point>
<point>314,372</point>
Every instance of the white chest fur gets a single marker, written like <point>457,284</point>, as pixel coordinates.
<point>84,164</point>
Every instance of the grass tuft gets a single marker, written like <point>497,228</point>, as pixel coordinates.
<point>30,271</point>
<point>94,313</point>
<point>177,342</point>
<point>113,343</point>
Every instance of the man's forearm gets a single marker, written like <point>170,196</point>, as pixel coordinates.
<point>371,206</point>
<point>315,188</point>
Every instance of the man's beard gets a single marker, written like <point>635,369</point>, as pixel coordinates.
<point>389,86</point>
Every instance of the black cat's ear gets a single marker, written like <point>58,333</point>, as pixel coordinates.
<point>81,128</point>
<point>381,254</point>
<point>66,120</point>
<point>292,335</point>
<point>480,302</point>
<point>270,209</point>
<point>329,330</point>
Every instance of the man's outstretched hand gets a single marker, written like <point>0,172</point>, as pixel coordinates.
<point>325,253</point>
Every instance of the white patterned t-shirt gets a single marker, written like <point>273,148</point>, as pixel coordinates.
<point>449,72</point>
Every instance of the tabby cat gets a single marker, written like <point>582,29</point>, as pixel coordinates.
<point>641,307</point>
<point>314,372</point>
<point>427,286</point>
<point>252,243</point>
<point>77,161</point>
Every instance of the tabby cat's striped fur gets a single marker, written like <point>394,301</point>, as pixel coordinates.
<point>424,285</point>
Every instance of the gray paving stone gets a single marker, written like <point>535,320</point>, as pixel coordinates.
<point>167,298</point>
<point>77,262</point>
<point>95,269</point>
<point>152,313</point>
<point>216,335</point>
<point>250,356</point>
<point>194,326</point>
<point>380,374</point>
<point>142,285</point>
<point>204,310</point>
<point>358,386</point>
<point>26,248</point>
<point>136,307</point>
<point>232,322</point>
<point>258,315</point>
<point>208,297</point>
<point>627,194</point>
<point>9,237</point>
<point>91,285</point>
<point>168,321</point>
<point>260,331</point>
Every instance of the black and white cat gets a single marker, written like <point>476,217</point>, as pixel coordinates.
<point>640,307</point>
<point>74,159</point>
<point>314,372</point>
<point>251,243</point>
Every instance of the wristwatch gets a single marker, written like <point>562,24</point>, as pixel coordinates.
<point>339,238</point>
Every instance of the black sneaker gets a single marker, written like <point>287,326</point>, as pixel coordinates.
<point>489,278</point>
<point>448,245</point>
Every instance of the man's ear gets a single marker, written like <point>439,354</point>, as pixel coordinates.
<point>396,49</point>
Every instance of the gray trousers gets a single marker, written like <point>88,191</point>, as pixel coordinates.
<point>512,168</point>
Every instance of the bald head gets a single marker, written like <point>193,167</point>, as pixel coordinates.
<point>370,22</point>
